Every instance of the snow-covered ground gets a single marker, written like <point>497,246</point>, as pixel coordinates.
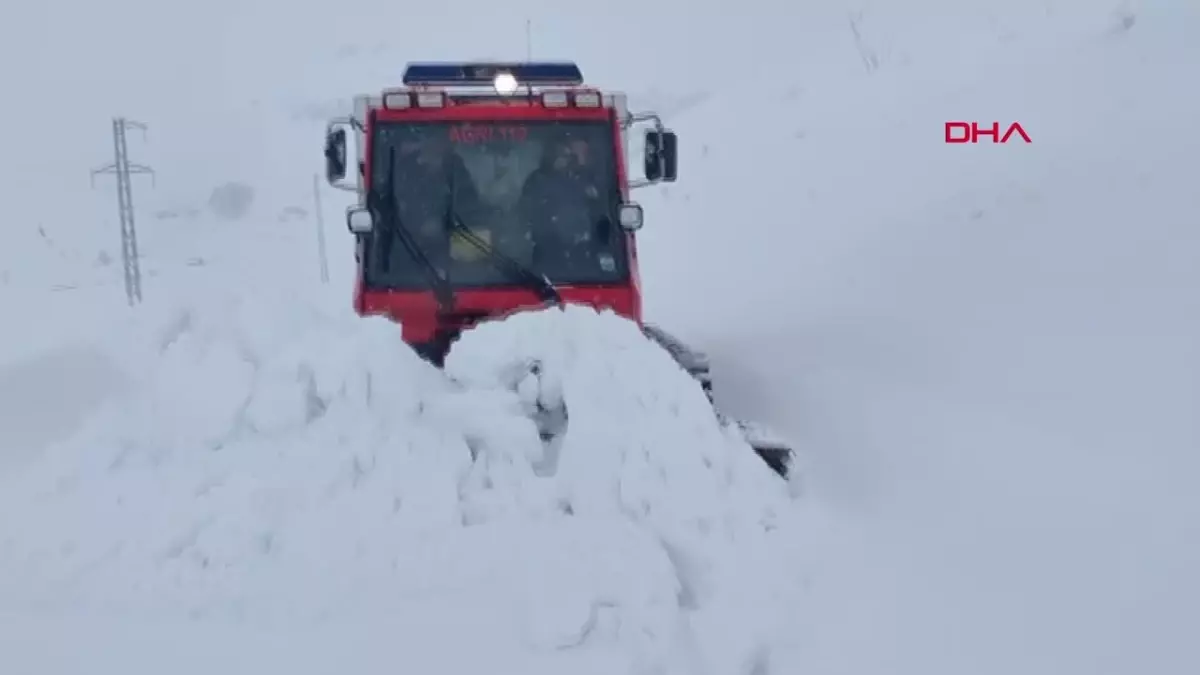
<point>988,354</point>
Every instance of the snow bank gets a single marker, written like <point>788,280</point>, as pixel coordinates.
<point>276,462</point>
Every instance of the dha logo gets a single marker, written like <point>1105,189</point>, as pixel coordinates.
<point>969,132</point>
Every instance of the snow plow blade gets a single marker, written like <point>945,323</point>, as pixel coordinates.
<point>773,450</point>
<point>771,447</point>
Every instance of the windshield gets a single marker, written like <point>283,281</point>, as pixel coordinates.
<point>542,193</point>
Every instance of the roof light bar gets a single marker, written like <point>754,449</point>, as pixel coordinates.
<point>484,73</point>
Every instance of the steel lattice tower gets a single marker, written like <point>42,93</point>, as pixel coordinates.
<point>124,169</point>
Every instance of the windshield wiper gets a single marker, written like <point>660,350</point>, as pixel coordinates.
<point>538,283</point>
<point>389,211</point>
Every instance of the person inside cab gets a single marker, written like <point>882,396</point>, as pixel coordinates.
<point>562,206</point>
<point>431,185</point>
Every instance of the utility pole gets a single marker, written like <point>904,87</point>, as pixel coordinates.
<point>123,169</point>
<point>320,218</point>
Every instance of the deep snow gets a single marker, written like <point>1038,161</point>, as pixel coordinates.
<point>988,353</point>
<point>289,466</point>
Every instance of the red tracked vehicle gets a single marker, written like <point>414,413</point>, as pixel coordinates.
<point>489,188</point>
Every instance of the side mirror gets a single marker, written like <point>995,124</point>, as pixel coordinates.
<point>630,217</point>
<point>335,155</point>
<point>661,162</point>
<point>359,220</point>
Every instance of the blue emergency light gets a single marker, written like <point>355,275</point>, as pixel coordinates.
<point>562,73</point>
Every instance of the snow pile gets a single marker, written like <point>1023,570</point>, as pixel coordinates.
<point>277,462</point>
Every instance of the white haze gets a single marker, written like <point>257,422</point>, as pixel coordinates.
<point>988,355</point>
